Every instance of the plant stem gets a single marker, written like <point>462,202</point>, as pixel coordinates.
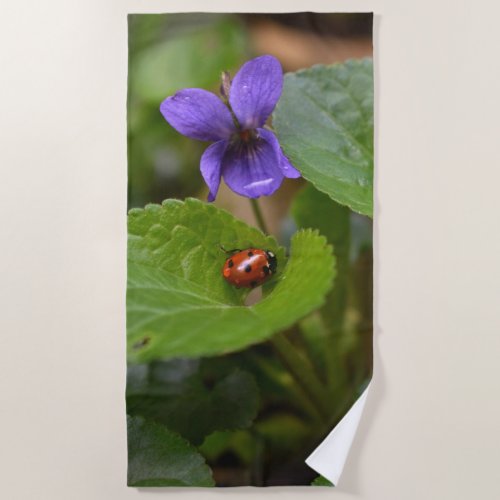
<point>309,352</point>
<point>296,394</point>
<point>258,215</point>
<point>303,373</point>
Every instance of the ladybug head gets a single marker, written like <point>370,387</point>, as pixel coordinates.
<point>273,261</point>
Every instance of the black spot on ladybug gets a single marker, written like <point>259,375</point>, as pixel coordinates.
<point>250,254</point>
<point>266,270</point>
<point>248,268</point>
<point>230,263</point>
<point>253,284</point>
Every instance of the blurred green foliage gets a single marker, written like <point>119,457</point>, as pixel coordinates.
<point>167,53</point>
<point>336,335</point>
<point>321,481</point>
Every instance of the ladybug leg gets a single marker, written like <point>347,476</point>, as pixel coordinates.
<point>230,251</point>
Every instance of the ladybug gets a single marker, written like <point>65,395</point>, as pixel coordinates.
<point>249,268</point>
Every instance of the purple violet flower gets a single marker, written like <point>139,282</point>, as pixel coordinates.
<point>247,155</point>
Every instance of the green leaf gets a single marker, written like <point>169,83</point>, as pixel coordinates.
<point>243,444</point>
<point>324,122</point>
<point>159,457</point>
<point>283,431</point>
<point>321,481</point>
<point>178,304</point>
<point>174,394</point>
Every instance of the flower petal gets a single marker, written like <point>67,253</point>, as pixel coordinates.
<point>255,91</point>
<point>210,166</point>
<point>286,167</point>
<point>198,114</point>
<point>252,168</point>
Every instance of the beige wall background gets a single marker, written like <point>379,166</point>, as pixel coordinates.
<point>431,429</point>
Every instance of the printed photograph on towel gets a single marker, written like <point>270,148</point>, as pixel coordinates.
<point>250,210</point>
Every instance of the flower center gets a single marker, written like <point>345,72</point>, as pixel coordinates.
<point>246,135</point>
<point>245,141</point>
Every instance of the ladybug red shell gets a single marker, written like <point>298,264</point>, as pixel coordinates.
<point>249,268</point>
